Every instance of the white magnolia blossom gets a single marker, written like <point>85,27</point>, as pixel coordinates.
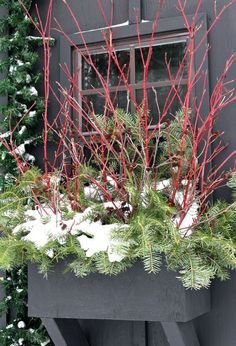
<point>19,62</point>
<point>33,91</point>
<point>20,150</point>
<point>32,114</point>
<point>19,290</point>
<point>21,324</point>
<point>22,130</point>
<point>12,69</point>
<point>30,158</point>
<point>5,134</point>
<point>9,326</point>
<point>28,78</point>
<point>24,108</point>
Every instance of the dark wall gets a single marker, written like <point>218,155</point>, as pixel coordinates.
<point>218,327</point>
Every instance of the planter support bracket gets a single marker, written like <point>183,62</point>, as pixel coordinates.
<point>65,332</point>
<point>180,334</point>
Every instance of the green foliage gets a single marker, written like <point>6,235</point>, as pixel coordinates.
<point>150,236</point>
<point>20,330</point>
<point>125,134</point>
<point>171,143</point>
<point>127,125</point>
<point>19,86</point>
<point>232,185</point>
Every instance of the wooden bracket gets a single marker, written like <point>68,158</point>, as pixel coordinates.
<point>65,332</point>
<point>180,334</point>
<point>135,11</point>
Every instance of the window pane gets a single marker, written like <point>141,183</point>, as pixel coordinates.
<point>101,62</point>
<point>160,95</point>
<point>172,52</point>
<point>97,102</point>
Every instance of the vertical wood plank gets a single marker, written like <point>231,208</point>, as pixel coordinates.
<point>114,333</point>
<point>138,335</point>
<point>156,335</point>
<point>135,11</point>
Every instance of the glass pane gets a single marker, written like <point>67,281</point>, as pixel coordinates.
<point>171,52</point>
<point>105,66</point>
<point>156,101</point>
<point>97,103</point>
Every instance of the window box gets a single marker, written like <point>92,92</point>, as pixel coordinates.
<point>133,295</point>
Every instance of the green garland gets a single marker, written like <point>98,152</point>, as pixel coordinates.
<point>20,88</point>
<point>20,330</point>
<point>149,236</point>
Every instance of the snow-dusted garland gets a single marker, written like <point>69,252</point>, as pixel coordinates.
<point>20,87</point>
<point>44,224</point>
<point>109,236</point>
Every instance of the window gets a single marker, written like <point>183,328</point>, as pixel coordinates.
<point>129,55</point>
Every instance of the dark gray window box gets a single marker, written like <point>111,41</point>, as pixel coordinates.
<point>62,299</point>
<point>133,295</point>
